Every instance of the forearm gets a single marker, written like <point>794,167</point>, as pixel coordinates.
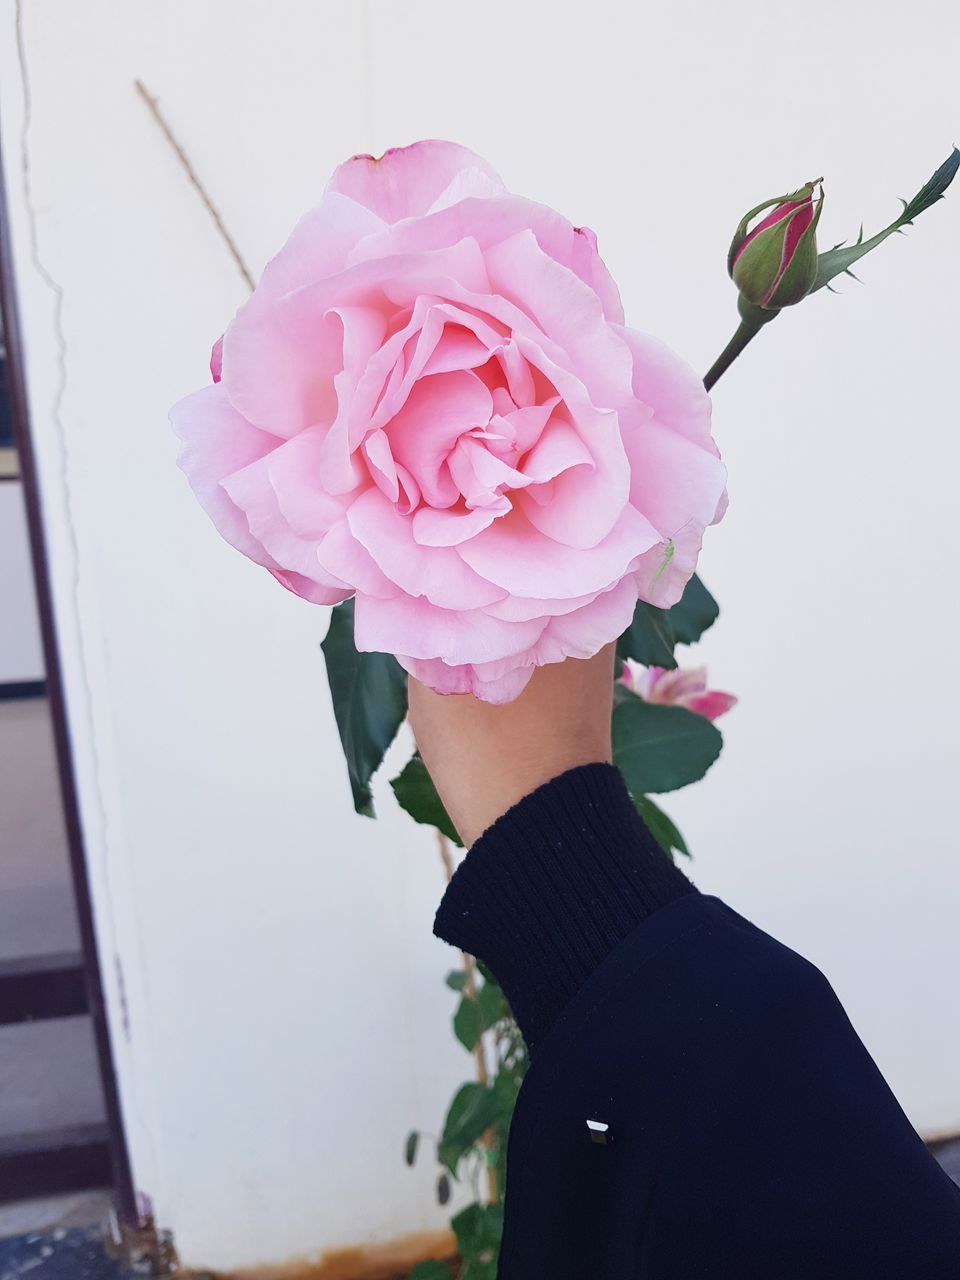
<point>484,758</point>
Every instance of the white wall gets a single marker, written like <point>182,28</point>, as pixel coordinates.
<point>21,656</point>
<point>280,1022</point>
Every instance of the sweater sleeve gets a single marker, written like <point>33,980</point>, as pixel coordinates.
<point>553,886</point>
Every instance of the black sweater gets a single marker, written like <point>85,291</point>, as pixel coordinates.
<point>748,1134</point>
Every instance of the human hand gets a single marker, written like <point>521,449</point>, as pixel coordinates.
<point>484,758</point>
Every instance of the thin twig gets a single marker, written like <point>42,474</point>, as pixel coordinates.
<point>445,855</point>
<point>196,183</point>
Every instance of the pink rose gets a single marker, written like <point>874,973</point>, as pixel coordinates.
<point>678,688</point>
<point>431,402</point>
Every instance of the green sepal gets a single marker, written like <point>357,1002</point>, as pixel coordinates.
<point>801,271</point>
<point>742,230</point>
<point>760,273</point>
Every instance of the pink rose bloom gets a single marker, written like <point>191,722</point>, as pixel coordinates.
<point>431,402</point>
<point>678,688</point>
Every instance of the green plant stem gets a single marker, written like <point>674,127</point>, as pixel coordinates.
<point>752,320</point>
<point>747,330</point>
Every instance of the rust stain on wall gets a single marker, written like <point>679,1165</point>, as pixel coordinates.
<point>390,1261</point>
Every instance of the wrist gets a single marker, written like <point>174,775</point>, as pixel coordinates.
<point>510,781</point>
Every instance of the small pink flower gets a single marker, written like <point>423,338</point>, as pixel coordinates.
<point>431,402</point>
<point>677,688</point>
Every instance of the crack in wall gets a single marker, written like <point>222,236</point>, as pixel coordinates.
<point>56,414</point>
<point>131,1101</point>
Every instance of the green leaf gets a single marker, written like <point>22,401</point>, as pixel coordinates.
<point>661,827</point>
<point>693,614</point>
<point>649,637</point>
<point>491,1004</point>
<point>660,748</point>
<point>477,1014</point>
<point>654,632</point>
<point>456,979</point>
<point>484,1268</point>
<point>466,1023</point>
<point>431,1270</point>
<point>506,1086</point>
<point>416,793</point>
<point>473,1110</point>
<point>369,692</point>
<point>478,1229</point>
<point>410,1147</point>
<point>842,257</point>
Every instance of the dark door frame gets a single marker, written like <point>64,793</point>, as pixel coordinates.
<point>124,1190</point>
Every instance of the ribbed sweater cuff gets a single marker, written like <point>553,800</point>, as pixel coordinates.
<point>552,886</point>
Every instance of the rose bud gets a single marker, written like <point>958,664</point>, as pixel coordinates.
<point>775,264</point>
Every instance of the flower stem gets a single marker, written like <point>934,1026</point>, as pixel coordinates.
<point>752,320</point>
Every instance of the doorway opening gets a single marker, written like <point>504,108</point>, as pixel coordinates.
<point>60,1123</point>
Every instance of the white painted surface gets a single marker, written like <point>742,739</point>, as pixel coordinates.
<point>285,1019</point>
<point>21,656</point>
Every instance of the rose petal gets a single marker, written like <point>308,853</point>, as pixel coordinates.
<point>342,556</point>
<point>672,479</point>
<point>434,572</point>
<point>711,704</point>
<point>674,390</point>
<point>419,629</point>
<point>585,631</point>
<point>673,686</point>
<point>319,245</point>
<point>477,473</point>
<point>405,181</point>
<point>443,678</point>
<point>559,448</point>
<point>664,570</point>
<point>215,442</point>
<point>519,609</point>
<point>433,528</point>
<point>281,356</point>
<point>254,489</point>
<point>493,220</point>
<point>308,589</point>
<point>567,311</point>
<point>586,496</point>
<point>515,557</point>
<point>422,433</point>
